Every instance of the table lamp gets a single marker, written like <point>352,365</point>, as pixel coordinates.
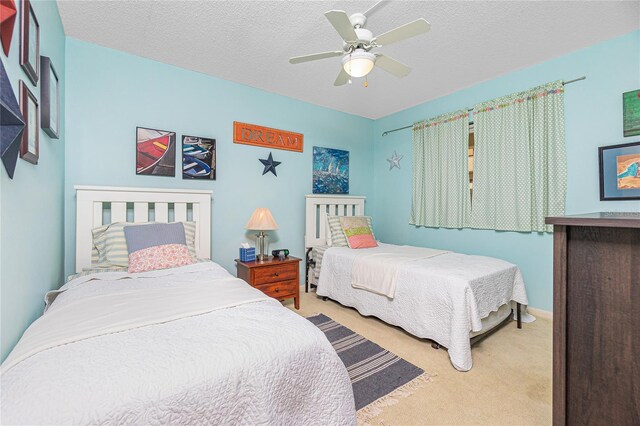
<point>261,220</point>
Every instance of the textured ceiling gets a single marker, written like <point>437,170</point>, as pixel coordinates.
<point>250,42</point>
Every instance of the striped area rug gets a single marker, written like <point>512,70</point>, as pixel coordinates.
<point>378,376</point>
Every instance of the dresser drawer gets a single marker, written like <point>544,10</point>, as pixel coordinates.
<point>279,289</point>
<point>287,271</point>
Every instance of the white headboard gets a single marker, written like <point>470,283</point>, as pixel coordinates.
<point>319,206</point>
<point>94,203</point>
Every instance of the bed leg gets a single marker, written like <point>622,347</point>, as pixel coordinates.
<point>324,298</point>
<point>435,345</point>
<point>306,271</point>
<point>519,315</point>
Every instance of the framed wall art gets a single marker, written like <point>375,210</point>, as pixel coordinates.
<point>631,113</point>
<point>30,146</point>
<point>49,99</point>
<point>155,152</point>
<point>198,158</point>
<point>30,42</point>
<point>330,171</point>
<point>620,172</point>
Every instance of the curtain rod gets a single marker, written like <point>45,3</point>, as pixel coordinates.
<point>564,83</point>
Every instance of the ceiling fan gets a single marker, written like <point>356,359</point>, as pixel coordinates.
<point>357,58</point>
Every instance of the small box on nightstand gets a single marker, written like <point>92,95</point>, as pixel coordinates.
<point>247,254</point>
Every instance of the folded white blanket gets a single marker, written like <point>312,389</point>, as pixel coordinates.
<point>127,309</point>
<point>378,272</point>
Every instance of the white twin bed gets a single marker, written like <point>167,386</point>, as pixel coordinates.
<point>186,345</point>
<point>450,298</point>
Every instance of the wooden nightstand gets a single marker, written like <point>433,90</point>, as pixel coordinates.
<point>276,278</point>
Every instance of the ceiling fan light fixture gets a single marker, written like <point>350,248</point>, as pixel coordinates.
<point>359,63</point>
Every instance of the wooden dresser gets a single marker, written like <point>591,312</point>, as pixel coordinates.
<point>596,319</point>
<point>276,278</point>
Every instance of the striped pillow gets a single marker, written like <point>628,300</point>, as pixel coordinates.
<point>338,239</point>
<point>110,244</point>
<point>358,232</point>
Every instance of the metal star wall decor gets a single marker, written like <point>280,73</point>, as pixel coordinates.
<point>270,165</point>
<point>394,161</point>
<point>11,124</point>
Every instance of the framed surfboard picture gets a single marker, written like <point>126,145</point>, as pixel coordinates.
<point>620,172</point>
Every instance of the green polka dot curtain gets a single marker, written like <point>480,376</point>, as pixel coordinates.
<point>440,171</point>
<point>519,174</point>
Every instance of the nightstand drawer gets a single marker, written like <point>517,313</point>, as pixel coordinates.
<point>287,271</point>
<point>279,289</point>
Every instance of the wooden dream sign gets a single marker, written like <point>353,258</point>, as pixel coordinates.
<point>250,134</point>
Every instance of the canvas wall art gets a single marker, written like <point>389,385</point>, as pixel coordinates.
<point>198,158</point>
<point>631,113</point>
<point>155,152</point>
<point>330,171</point>
<point>620,172</point>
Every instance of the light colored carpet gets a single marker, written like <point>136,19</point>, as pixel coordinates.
<point>509,384</point>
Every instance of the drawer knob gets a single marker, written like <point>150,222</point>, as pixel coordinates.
<point>277,290</point>
<point>276,274</point>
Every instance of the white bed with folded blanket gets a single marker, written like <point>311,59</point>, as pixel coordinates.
<point>444,296</point>
<point>182,345</point>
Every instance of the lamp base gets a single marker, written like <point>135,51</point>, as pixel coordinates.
<point>261,245</point>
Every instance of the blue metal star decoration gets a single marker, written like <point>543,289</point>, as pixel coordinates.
<point>11,123</point>
<point>394,161</point>
<point>270,165</point>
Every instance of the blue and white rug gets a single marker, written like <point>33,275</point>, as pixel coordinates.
<point>378,376</point>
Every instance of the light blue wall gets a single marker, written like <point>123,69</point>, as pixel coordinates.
<point>31,221</point>
<point>110,93</point>
<point>593,111</point>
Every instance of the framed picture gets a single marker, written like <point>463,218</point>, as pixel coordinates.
<point>198,158</point>
<point>155,152</point>
<point>330,171</point>
<point>30,42</point>
<point>29,147</point>
<point>50,99</point>
<point>620,172</point>
<point>631,113</point>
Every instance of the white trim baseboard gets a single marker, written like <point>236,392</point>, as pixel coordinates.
<point>540,313</point>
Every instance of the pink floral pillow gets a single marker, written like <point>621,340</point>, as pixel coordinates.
<point>359,234</point>
<point>156,246</point>
<point>159,257</point>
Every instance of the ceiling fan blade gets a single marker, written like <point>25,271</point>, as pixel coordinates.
<point>315,57</point>
<point>392,66</point>
<point>373,9</point>
<point>342,79</point>
<point>412,29</point>
<point>342,24</point>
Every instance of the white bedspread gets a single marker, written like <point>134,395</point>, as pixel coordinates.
<point>378,271</point>
<point>245,360</point>
<point>442,298</point>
